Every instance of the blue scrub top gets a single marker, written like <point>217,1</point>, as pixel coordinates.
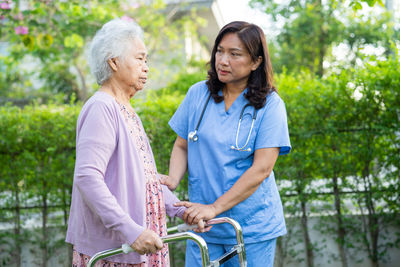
<point>214,167</point>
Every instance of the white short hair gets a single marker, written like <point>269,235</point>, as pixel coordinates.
<point>111,41</point>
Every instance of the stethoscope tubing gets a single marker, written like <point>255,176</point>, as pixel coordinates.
<point>238,130</point>
<point>202,113</point>
<point>192,136</point>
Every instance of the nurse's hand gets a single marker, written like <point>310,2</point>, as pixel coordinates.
<point>170,182</point>
<point>201,227</point>
<point>196,212</point>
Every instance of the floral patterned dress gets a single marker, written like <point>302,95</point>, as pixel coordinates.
<point>155,207</point>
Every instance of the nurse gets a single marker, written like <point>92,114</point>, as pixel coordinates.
<point>231,129</point>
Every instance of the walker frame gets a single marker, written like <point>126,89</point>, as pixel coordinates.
<point>183,234</point>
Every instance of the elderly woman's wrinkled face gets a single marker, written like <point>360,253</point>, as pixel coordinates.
<point>132,67</point>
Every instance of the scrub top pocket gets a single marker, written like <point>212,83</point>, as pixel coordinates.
<point>194,185</point>
<point>252,210</point>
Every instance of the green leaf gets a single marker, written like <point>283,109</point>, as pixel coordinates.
<point>28,41</point>
<point>45,40</point>
<point>73,41</point>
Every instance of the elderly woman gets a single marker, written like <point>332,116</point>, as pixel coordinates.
<point>117,197</point>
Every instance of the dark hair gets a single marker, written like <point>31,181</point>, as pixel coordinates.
<point>260,81</point>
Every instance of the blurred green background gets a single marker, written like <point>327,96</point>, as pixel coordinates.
<point>336,67</point>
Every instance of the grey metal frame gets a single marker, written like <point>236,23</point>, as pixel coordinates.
<point>182,234</point>
<point>238,248</point>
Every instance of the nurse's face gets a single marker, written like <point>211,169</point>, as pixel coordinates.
<point>232,61</point>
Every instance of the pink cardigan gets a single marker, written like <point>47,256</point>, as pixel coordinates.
<point>108,197</point>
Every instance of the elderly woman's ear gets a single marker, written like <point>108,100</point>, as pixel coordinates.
<point>112,62</point>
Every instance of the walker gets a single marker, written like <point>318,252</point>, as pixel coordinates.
<point>183,234</point>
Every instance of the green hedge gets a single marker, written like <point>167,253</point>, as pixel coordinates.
<point>342,142</point>
<point>345,160</point>
<point>37,152</point>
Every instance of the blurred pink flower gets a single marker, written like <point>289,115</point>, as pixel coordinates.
<point>126,18</point>
<point>5,5</point>
<point>21,30</point>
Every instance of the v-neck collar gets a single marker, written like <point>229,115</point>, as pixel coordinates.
<point>238,101</point>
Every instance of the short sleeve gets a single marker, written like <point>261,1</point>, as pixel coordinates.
<point>273,130</point>
<point>180,120</point>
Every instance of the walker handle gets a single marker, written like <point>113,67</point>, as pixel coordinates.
<point>125,248</point>
<point>182,228</point>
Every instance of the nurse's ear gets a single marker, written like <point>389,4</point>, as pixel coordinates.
<point>256,63</point>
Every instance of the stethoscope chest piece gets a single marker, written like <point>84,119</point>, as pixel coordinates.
<point>192,136</point>
<point>236,148</point>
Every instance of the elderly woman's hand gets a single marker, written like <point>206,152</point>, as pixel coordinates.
<point>170,182</point>
<point>147,242</point>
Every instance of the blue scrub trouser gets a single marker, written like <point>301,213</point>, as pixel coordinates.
<point>259,254</point>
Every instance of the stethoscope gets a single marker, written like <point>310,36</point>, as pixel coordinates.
<point>192,136</point>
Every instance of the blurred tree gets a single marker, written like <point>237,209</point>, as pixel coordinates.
<point>45,40</point>
<point>313,27</point>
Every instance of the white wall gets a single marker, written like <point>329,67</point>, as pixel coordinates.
<point>326,253</point>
